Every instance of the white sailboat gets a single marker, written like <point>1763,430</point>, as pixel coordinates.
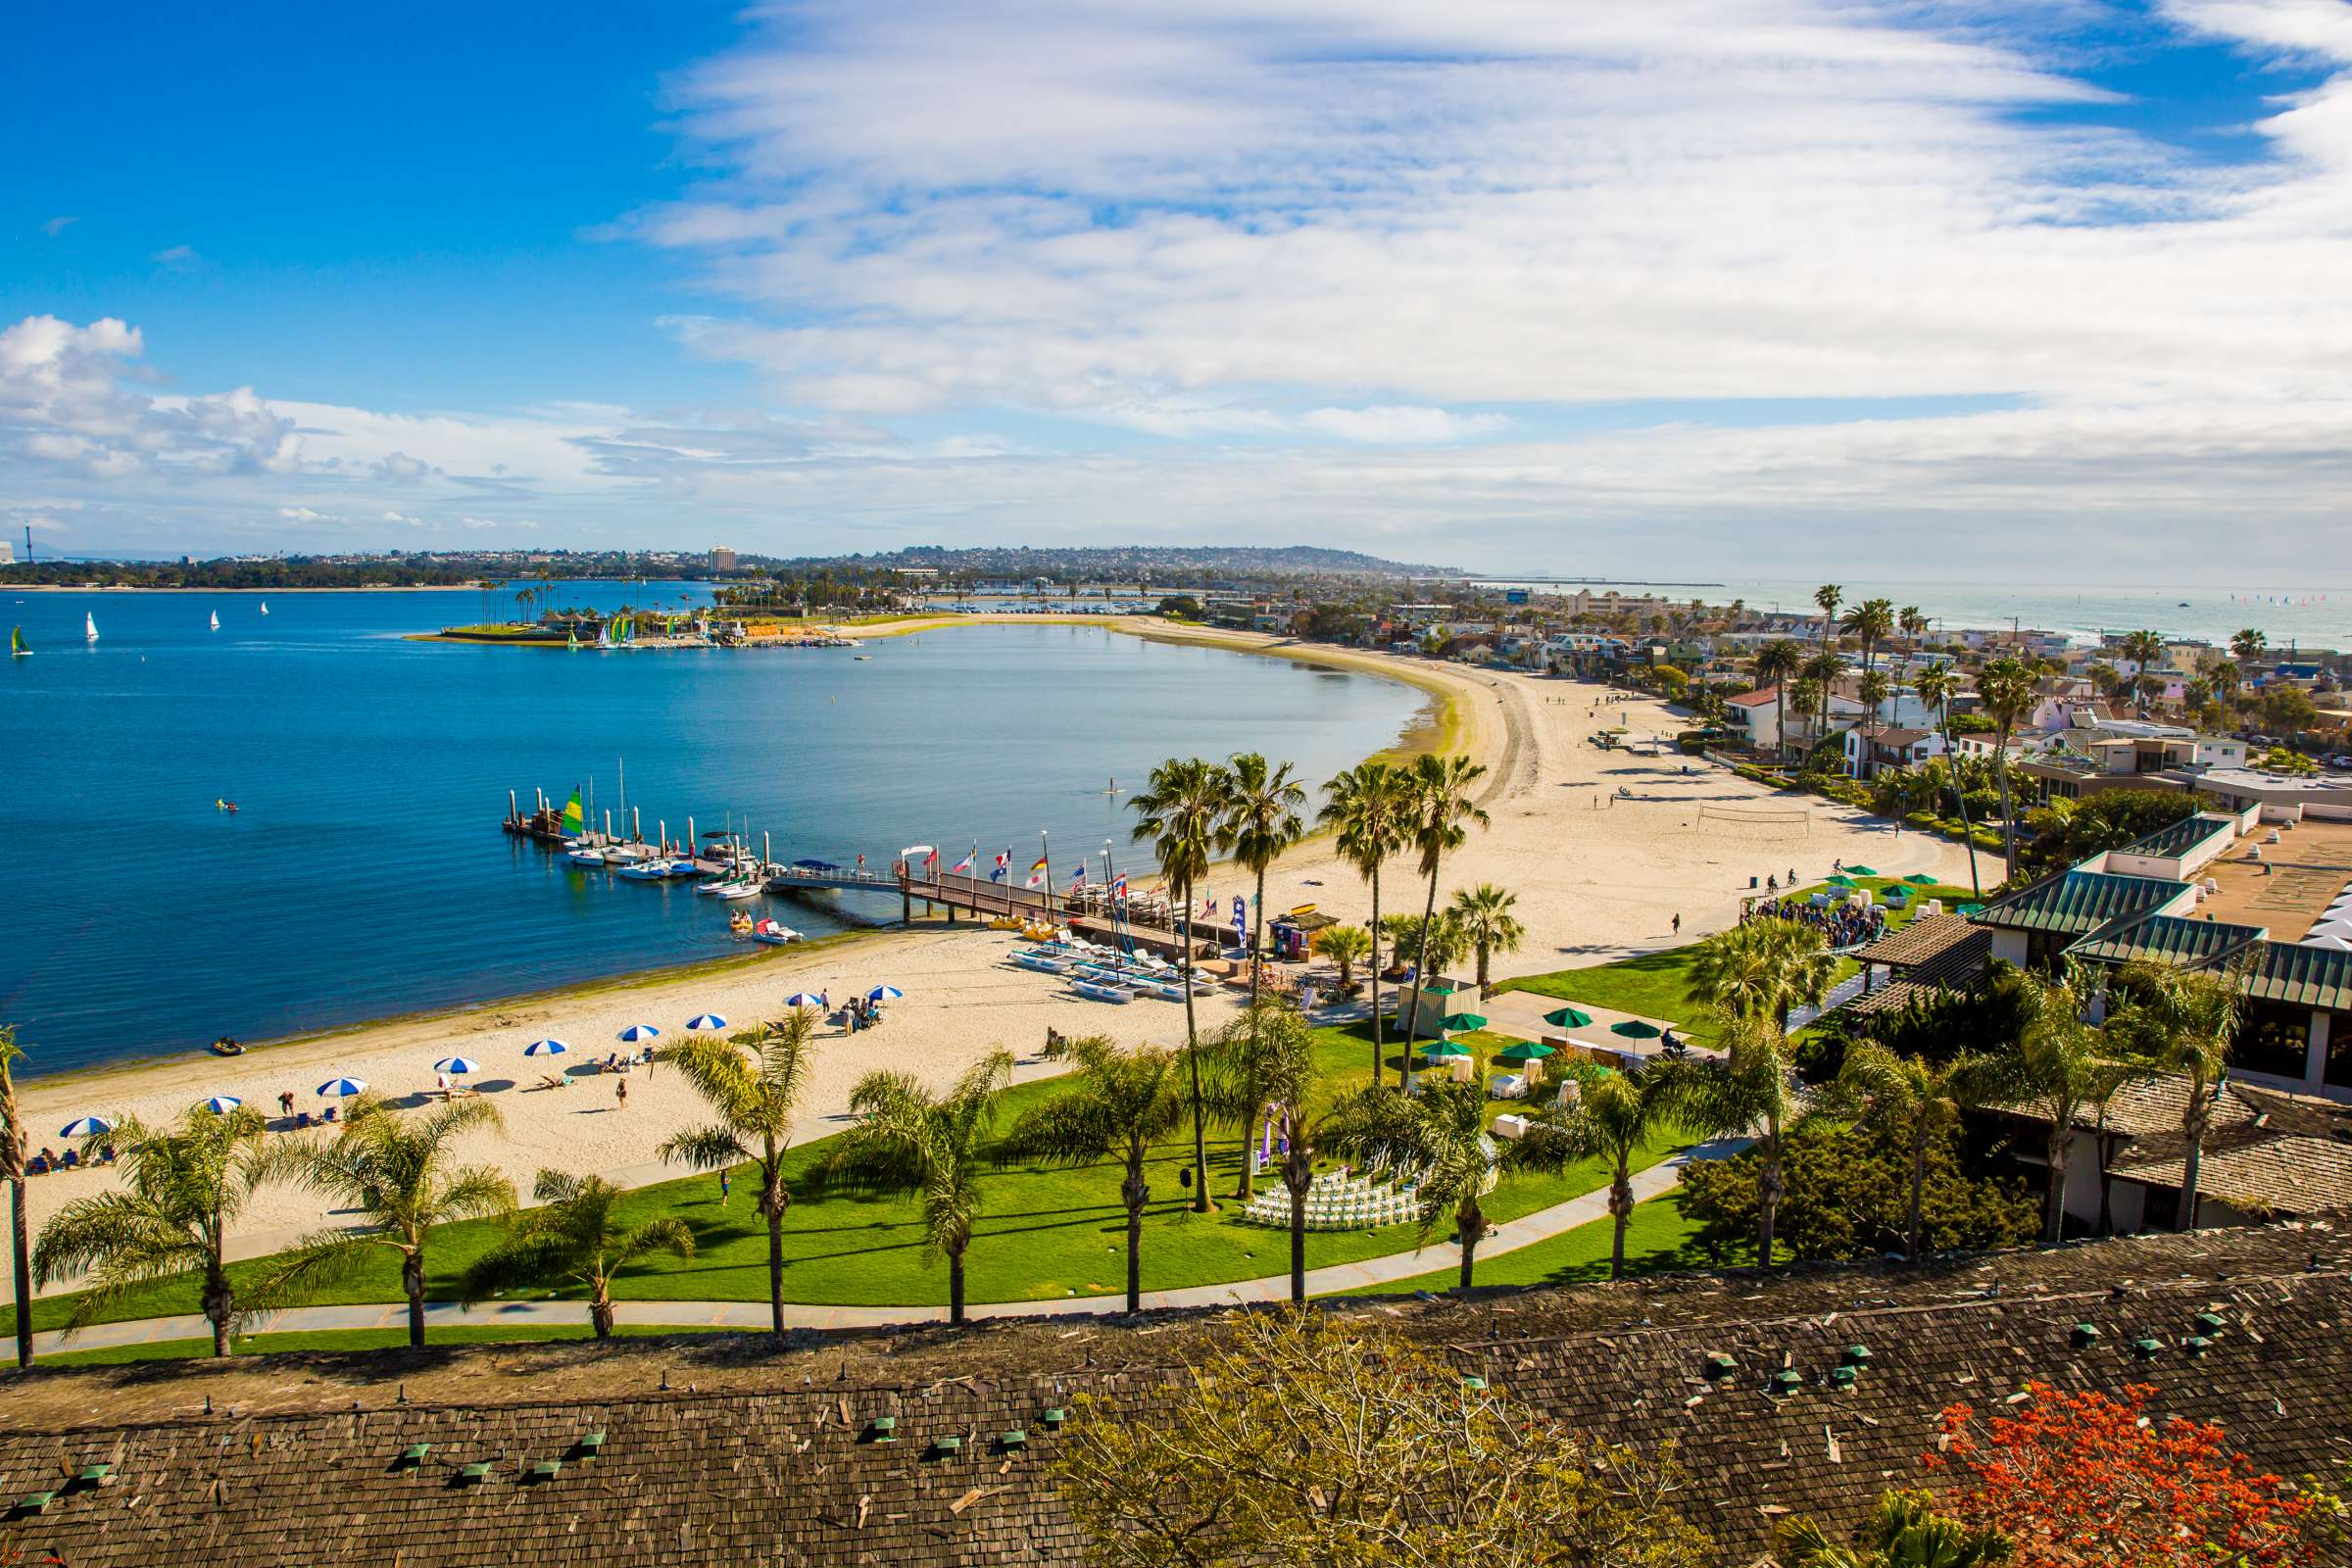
<point>215,620</point>
<point>89,627</point>
<point>264,607</point>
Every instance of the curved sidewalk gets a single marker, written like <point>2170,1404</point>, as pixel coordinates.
<point>1506,1237</point>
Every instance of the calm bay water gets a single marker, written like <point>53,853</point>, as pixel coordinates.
<point>365,874</point>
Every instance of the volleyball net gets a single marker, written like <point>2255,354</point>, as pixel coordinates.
<point>1770,818</point>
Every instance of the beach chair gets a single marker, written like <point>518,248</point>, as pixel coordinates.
<point>69,1159</point>
<point>548,1079</point>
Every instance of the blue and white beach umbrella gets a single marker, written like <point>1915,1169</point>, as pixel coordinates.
<point>221,1105</point>
<point>805,999</point>
<point>885,994</point>
<point>342,1088</point>
<point>544,1047</point>
<point>640,1031</point>
<point>708,1021</point>
<point>457,1065</point>
<point>86,1127</point>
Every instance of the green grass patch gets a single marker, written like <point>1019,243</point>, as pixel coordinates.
<point>1047,1231</point>
<point>1659,1237</point>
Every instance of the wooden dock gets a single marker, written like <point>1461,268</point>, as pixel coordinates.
<point>962,893</point>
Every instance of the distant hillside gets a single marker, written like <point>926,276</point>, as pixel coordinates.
<point>1164,563</point>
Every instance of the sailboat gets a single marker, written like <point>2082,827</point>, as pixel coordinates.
<point>215,620</point>
<point>89,627</point>
<point>264,607</point>
<point>18,646</point>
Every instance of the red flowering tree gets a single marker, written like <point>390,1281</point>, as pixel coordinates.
<point>2075,1479</point>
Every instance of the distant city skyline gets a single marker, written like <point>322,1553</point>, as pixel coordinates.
<point>1728,288</point>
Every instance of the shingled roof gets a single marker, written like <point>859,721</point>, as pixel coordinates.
<point>2267,1152</point>
<point>735,1450</point>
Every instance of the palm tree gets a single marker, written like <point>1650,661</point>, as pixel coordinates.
<point>1905,1533</point>
<point>11,1171</point>
<point>1117,1106</point>
<point>1763,970</point>
<point>753,1085</point>
<point>908,1139</point>
<point>1822,670</point>
<point>1870,622</point>
<point>1346,945</point>
<point>1488,924</point>
<point>1440,1135</point>
<point>1614,1116</point>
<point>1777,663</point>
<point>2185,1019</point>
<point>1261,821</point>
<point>1180,816</point>
<point>1805,693</point>
<point>1368,805</point>
<point>1934,686</point>
<point>2062,1066</point>
<point>2246,646</point>
<point>576,1236</point>
<point>1927,1097</point>
<point>2006,693</point>
<point>183,1185</point>
<point>1744,1093</point>
<point>2145,648</point>
<point>1443,812</point>
<point>397,1175</point>
<point>1872,689</point>
<point>1826,597</point>
<point>1914,625</point>
<point>1250,1062</point>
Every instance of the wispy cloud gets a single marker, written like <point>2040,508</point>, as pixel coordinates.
<point>177,258</point>
<point>57,225</point>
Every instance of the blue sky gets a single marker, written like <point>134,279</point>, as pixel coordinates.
<point>1568,285</point>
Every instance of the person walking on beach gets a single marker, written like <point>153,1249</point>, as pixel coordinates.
<point>1677,922</point>
<point>620,1094</point>
<point>285,1101</point>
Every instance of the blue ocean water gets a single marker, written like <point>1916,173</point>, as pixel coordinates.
<point>363,873</point>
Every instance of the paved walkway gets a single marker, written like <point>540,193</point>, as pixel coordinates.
<point>1506,1237</point>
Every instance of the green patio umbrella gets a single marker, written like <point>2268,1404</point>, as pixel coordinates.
<point>1443,1050</point>
<point>1839,881</point>
<point>1972,909</point>
<point>1861,871</point>
<point>1636,1029</point>
<point>1456,1022</point>
<point>1568,1018</point>
<point>1920,879</point>
<point>1524,1051</point>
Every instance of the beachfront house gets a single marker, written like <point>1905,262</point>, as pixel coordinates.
<point>1871,751</point>
<point>1758,718</point>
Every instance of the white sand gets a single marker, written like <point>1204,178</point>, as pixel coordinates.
<point>1595,882</point>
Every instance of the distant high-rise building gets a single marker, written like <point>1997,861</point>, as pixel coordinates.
<point>722,559</point>
<point>8,552</point>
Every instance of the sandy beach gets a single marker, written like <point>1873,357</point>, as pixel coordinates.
<point>1597,877</point>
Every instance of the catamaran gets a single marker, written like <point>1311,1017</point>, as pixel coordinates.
<point>18,646</point>
<point>89,627</point>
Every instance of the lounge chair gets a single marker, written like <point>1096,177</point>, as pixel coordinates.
<point>548,1079</point>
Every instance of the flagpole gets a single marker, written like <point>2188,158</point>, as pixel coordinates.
<point>1047,883</point>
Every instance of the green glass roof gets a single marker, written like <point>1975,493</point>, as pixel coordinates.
<point>2178,838</point>
<point>2306,977</point>
<point>2168,939</point>
<point>2078,902</point>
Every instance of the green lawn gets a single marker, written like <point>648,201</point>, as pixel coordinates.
<point>1659,1237</point>
<point>344,1339</point>
<point>1047,1231</point>
<point>1657,985</point>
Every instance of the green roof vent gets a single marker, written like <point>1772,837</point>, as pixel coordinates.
<point>1017,1438</point>
<point>2146,1349</point>
<point>1721,1365</point>
<point>1474,1384</point>
<point>1786,1381</point>
<point>883,1429</point>
<point>2085,1336</point>
<point>96,1475</point>
<point>1856,1355</point>
<point>546,1470</point>
<point>1055,1417</point>
<point>591,1443</point>
<point>2211,1324</point>
<point>1843,1378</point>
<point>474,1474</point>
<point>947,1445</point>
<point>413,1456</point>
<point>2197,1344</point>
<point>37,1502</point>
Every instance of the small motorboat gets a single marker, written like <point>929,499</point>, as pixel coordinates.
<point>648,870</point>
<point>229,1046</point>
<point>730,887</point>
<point>591,859</point>
<point>774,932</point>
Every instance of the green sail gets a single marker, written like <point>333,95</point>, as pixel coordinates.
<point>15,641</point>
<point>574,820</point>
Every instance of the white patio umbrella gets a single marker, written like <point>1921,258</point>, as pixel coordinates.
<point>544,1047</point>
<point>706,1020</point>
<point>885,994</point>
<point>805,999</point>
<point>640,1031</point>
<point>342,1088</point>
<point>86,1127</point>
<point>221,1105</point>
<point>456,1065</point>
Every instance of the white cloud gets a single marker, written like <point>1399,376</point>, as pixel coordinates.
<point>57,225</point>
<point>177,258</point>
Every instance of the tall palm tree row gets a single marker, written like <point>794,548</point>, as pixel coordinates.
<point>400,1176</point>
<point>2006,692</point>
<point>1443,811</point>
<point>182,1187</point>
<point>11,1171</point>
<point>1118,1105</point>
<point>1777,663</point>
<point>577,1237</point>
<point>1936,688</point>
<point>1826,597</point>
<point>1180,814</point>
<point>1368,806</point>
<point>753,1085</point>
